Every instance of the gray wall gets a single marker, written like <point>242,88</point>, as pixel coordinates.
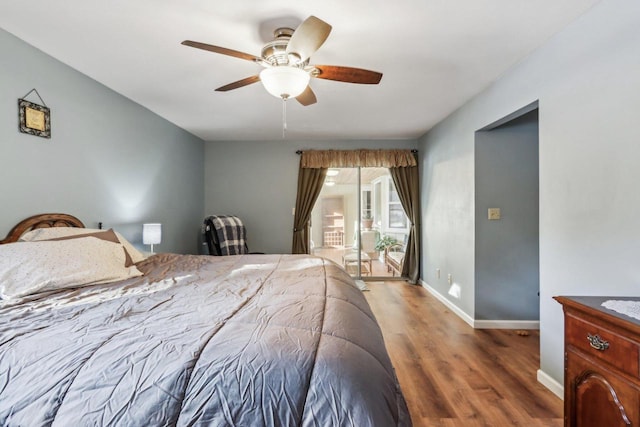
<point>257,180</point>
<point>507,275</point>
<point>587,81</point>
<point>108,159</point>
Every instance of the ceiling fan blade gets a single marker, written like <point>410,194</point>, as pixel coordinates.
<point>307,97</point>
<point>222,50</point>
<point>308,38</point>
<point>239,83</point>
<point>346,74</point>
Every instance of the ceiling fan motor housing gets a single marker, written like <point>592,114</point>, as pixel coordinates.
<point>275,52</point>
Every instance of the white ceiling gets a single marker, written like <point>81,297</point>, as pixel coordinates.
<point>435,55</point>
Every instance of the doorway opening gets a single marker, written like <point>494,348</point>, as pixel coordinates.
<point>507,264</point>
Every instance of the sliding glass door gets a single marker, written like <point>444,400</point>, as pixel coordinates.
<point>359,223</point>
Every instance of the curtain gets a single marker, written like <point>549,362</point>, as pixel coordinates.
<point>310,183</point>
<point>406,181</point>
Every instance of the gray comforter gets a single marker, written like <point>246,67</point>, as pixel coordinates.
<point>252,340</point>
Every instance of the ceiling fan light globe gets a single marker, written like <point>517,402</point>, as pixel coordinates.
<point>284,82</point>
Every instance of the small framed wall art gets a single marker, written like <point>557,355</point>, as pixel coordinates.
<point>34,119</point>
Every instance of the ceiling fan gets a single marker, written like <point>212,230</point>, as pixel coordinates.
<point>285,59</point>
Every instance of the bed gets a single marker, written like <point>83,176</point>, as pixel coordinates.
<point>247,340</point>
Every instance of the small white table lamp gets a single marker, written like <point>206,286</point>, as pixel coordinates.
<point>151,234</point>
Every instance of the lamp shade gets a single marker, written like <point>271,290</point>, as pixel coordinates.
<point>284,81</point>
<point>151,234</point>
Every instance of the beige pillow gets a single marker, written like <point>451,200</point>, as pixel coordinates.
<point>108,235</point>
<point>56,232</point>
<point>33,267</point>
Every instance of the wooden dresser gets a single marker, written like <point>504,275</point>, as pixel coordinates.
<point>602,373</point>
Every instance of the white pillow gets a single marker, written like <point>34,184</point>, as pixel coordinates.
<point>32,267</point>
<point>55,232</point>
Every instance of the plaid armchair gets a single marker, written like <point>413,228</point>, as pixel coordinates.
<point>225,235</point>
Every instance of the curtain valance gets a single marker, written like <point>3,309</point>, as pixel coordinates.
<point>314,159</point>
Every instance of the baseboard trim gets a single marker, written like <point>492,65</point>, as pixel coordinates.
<point>554,386</point>
<point>507,324</point>
<point>461,314</point>
<point>481,324</point>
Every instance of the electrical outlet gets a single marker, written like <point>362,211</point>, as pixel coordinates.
<point>449,279</point>
<point>437,273</point>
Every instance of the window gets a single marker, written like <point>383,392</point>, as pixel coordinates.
<point>397,218</point>
<point>367,212</point>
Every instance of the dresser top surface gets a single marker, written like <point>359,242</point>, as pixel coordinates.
<point>595,303</point>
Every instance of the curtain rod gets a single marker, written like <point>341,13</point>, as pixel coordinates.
<point>300,151</point>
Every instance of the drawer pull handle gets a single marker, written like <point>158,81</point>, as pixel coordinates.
<point>598,343</point>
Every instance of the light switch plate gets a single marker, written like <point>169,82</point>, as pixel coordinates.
<point>494,213</point>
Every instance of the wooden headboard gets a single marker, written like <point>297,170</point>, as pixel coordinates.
<point>41,221</point>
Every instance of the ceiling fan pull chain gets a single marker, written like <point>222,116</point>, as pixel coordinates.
<point>284,116</point>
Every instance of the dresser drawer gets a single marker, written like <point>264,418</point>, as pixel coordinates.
<point>603,344</point>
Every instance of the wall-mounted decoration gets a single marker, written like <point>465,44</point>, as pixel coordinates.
<point>35,119</point>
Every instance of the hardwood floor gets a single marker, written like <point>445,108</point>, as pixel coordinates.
<point>453,375</point>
